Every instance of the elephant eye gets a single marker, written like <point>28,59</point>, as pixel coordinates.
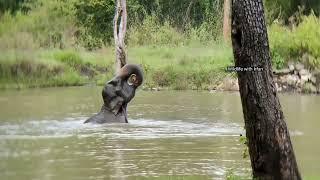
<point>132,79</point>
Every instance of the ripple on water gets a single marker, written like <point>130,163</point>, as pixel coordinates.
<point>136,129</point>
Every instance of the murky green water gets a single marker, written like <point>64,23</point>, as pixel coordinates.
<point>194,135</point>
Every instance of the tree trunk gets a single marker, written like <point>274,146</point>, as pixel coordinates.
<point>226,20</point>
<point>120,33</point>
<point>270,149</point>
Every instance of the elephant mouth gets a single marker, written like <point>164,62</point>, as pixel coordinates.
<point>124,111</point>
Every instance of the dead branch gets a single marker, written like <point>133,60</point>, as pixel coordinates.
<point>119,33</point>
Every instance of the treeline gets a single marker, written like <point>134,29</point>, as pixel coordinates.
<point>96,16</point>
<point>92,19</point>
<point>284,9</point>
<point>294,25</point>
<point>13,5</point>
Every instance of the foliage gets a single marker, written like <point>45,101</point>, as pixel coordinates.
<point>47,25</point>
<point>150,32</point>
<point>19,69</point>
<point>177,68</point>
<point>181,68</point>
<point>13,6</point>
<point>95,17</point>
<point>161,20</point>
<point>173,177</point>
<point>231,176</point>
<point>277,60</point>
<point>284,9</point>
<point>200,12</point>
<point>297,42</point>
<point>69,58</point>
<point>19,72</point>
<point>177,49</point>
<point>243,140</point>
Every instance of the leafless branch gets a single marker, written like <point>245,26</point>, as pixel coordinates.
<point>119,33</point>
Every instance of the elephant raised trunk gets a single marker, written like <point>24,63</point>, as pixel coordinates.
<point>117,93</point>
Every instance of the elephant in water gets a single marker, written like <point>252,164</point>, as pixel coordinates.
<point>117,93</point>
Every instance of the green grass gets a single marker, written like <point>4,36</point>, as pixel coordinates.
<point>23,69</point>
<point>298,43</point>
<point>44,48</point>
<point>174,67</point>
<point>311,178</point>
<point>173,177</point>
<point>183,68</point>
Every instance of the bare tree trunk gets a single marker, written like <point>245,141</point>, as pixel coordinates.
<point>226,20</point>
<point>270,149</point>
<point>120,33</point>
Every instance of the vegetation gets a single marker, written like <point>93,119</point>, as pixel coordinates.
<point>170,67</point>
<point>95,16</point>
<point>179,43</point>
<point>296,43</point>
<point>51,68</point>
<point>286,9</point>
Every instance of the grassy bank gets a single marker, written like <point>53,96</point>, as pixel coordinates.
<point>297,42</point>
<point>173,67</point>
<point>21,69</point>
<point>48,47</point>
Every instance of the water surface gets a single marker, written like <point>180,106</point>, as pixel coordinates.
<point>182,134</point>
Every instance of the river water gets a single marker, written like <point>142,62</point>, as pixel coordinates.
<point>170,135</point>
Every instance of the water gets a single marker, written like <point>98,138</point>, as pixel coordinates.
<point>191,135</point>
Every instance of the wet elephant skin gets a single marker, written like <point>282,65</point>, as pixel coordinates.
<point>116,94</point>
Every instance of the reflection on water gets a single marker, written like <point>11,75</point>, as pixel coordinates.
<point>42,135</point>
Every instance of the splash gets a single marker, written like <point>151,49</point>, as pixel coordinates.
<point>136,129</point>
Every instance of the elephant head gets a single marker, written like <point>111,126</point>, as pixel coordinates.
<point>117,93</point>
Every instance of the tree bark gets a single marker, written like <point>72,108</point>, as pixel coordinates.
<point>270,148</point>
<point>226,20</point>
<point>119,33</point>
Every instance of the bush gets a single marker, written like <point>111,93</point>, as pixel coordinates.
<point>49,24</point>
<point>88,23</point>
<point>70,58</point>
<point>292,44</point>
<point>95,21</point>
<point>307,36</point>
<point>13,6</point>
<point>151,32</point>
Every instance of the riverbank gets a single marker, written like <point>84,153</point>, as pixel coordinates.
<point>297,78</point>
<point>165,68</point>
<point>29,69</point>
<point>178,68</point>
<point>54,44</point>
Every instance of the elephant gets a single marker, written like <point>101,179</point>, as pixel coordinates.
<point>117,93</point>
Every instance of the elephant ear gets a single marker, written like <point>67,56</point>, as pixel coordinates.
<point>112,101</point>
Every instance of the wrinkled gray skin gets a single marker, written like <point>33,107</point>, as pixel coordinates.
<point>116,94</point>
